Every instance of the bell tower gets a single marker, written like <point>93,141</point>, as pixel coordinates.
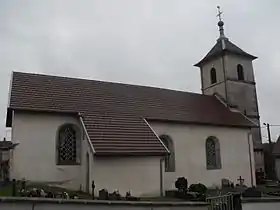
<point>227,71</point>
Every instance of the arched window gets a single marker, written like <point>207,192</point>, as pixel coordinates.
<point>213,76</point>
<point>240,72</point>
<point>170,159</point>
<point>213,156</point>
<point>68,145</point>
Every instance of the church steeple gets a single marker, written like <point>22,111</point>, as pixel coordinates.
<point>227,72</point>
<point>223,45</point>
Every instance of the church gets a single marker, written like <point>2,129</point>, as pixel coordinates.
<point>70,132</point>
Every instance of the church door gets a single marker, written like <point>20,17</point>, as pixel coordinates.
<point>87,173</point>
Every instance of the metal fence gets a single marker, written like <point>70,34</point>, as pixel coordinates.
<point>224,202</point>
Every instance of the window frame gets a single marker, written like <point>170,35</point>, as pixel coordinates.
<point>77,131</point>
<point>240,72</point>
<point>213,75</point>
<point>217,154</point>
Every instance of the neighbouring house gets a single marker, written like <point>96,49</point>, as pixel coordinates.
<point>74,131</point>
<point>276,154</point>
<point>269,160</point>
<point>5,151</point>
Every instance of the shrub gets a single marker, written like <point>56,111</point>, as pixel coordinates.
<point>181,184</point>
<point>199,188</point>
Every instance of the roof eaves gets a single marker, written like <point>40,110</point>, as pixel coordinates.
<point>203,123</point>
<point>44,110</point>
<point>207,58</point>
<point>125,154</point>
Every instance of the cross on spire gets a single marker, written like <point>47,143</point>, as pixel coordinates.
<point>220,23</point>
<point>219,13</point>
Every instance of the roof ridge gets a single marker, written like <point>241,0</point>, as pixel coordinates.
<point>108,82</point>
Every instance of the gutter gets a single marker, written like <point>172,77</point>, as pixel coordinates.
<point>161,161</point>
<point>85,130</point>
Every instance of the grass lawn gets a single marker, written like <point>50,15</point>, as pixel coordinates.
<point>6,190</point>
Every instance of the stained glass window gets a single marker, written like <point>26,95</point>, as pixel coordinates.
<point>213,158</point>
<point>67,145</point>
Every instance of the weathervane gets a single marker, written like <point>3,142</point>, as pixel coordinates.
<point>219,13</point>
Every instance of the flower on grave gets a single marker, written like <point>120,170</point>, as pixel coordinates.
<point>128,194</point>
<point>50,195</point>
<point>65,195</point>
<point>181,184</point>
<point>22,192</point>
<point>34,193</point>
<point>42,193</point>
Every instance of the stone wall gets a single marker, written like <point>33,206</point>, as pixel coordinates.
<point>58,204</point>
<point>261,204</point>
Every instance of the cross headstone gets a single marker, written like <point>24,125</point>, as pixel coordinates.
<point>241,180</point>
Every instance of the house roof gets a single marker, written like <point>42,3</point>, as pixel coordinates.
<point>223,45</point>
<point>115,114</point>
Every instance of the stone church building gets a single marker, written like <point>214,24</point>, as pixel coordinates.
<point>72,131</point>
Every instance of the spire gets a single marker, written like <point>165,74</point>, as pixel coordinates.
<point>220,23</point>
<point>223,44</point>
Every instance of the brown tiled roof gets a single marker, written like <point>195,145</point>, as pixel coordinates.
<point>114,113</point>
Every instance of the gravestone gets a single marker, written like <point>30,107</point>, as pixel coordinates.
<point>103,194</point>
<point>252,192</point>
<point>260,177</point>
<point>115,195</point>
<point>225,183</point>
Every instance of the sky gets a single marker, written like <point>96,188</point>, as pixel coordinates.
<point>144,42</point>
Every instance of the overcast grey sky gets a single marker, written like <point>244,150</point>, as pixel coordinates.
<point>146,42</point>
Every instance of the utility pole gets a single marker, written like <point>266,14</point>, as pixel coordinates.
<point>271,158</point>
<point>269,134</point>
